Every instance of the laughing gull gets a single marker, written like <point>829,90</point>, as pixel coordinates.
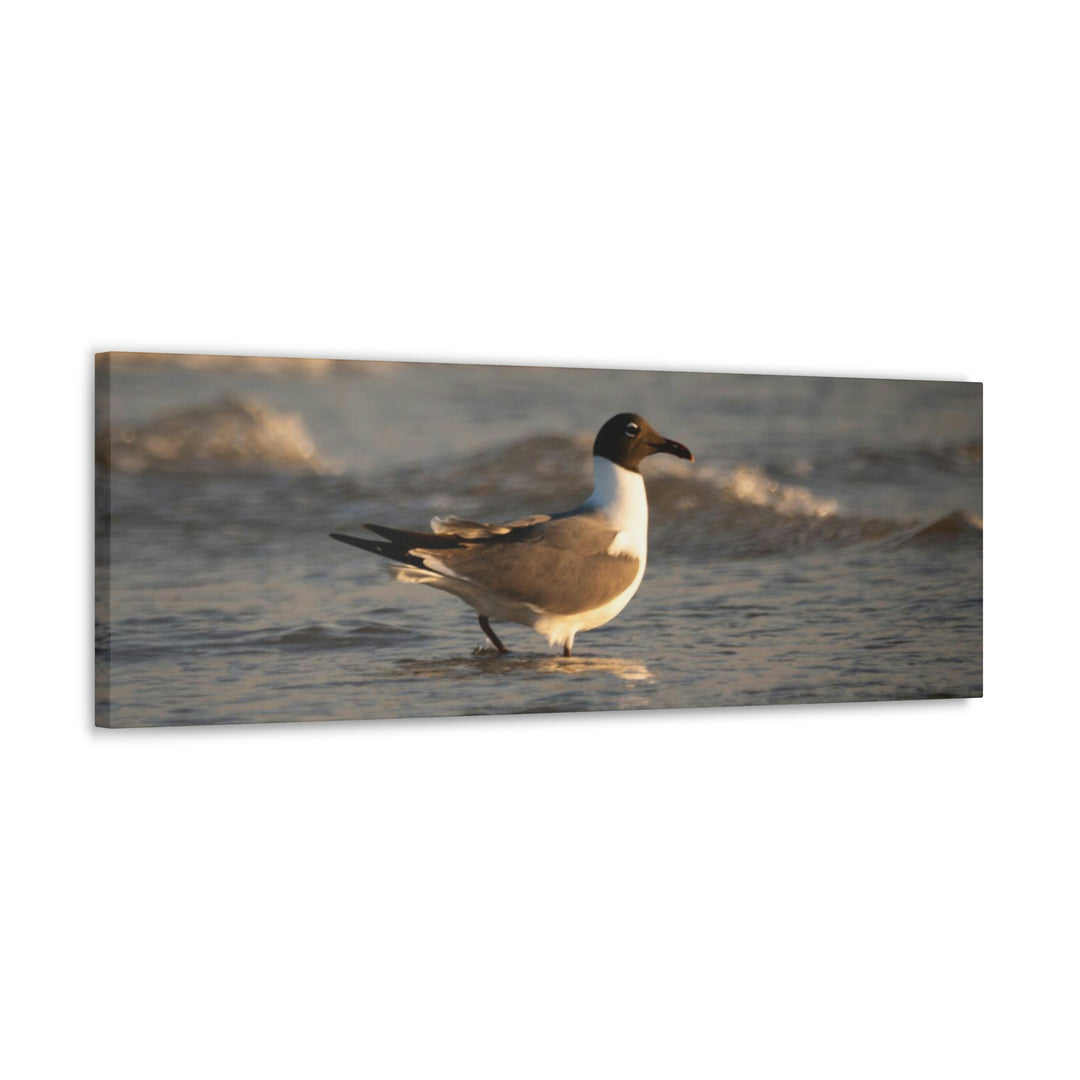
<point>558,573</point>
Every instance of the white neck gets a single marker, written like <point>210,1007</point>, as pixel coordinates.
<point>619,494</point>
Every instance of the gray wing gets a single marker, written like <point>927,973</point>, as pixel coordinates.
<point>561,565</point>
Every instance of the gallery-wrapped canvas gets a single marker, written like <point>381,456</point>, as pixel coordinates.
<point>306,539</point>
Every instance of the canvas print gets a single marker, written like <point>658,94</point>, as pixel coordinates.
<point>299,539</point>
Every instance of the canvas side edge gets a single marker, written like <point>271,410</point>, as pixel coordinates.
<point>102,545</point>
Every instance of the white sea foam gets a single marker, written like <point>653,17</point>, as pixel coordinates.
<point>229,434</point>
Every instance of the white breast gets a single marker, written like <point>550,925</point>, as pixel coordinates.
<point>619,497</point>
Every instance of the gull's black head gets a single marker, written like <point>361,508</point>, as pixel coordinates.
<point>627,439</point>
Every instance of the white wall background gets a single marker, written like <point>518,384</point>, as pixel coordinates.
<point>853,891</point>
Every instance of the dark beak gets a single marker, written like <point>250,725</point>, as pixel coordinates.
<point>670,446</point>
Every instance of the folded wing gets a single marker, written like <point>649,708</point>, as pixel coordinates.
<point>560,565</point>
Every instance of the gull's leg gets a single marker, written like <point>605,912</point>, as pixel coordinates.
<point>486,627</point>
<point>566,650</point>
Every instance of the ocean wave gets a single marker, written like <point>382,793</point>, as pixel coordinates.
<point>740,510</point>
<point>952,530</point>
<point>231,434</point>
<point>737,510</point>
<point>550,465</point>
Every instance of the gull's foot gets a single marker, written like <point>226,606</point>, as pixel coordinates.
<point>488,650</point>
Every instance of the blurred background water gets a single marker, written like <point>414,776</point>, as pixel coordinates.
<point>825,546</point>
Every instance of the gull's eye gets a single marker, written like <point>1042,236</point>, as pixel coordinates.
<point>631,430</point>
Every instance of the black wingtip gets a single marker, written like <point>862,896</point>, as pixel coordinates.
<point>354,540</point>
<point>388,550</point>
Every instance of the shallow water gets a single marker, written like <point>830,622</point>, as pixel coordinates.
<point>792,562</point>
